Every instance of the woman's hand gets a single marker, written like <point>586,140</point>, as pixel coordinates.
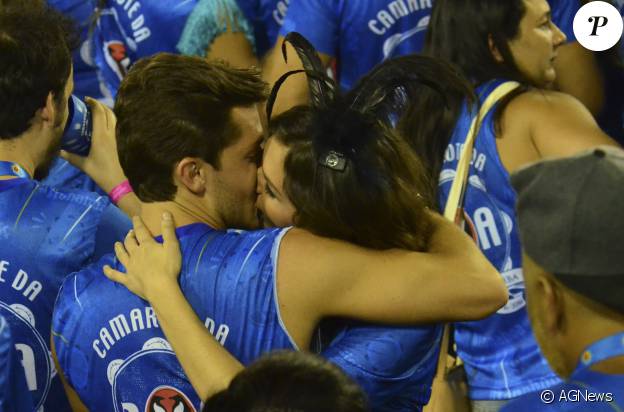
<point>152,269</point>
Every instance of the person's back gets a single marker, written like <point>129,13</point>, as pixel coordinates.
<point>352,37</point>
<point>46,233</point>
<point>490,215</point>
<point>360,34</point>
<point>228,278</point>
<point>570,220</point>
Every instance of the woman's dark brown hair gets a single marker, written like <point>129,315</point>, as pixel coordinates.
<point>348,172</point>
<point>378,200</point>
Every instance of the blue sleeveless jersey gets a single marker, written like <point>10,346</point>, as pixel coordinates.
<point>14,394</point>
<point>360,34</point>
<point>116,356</point>
<point>501,356</point>
<point>394,366</point>
<point>46,234</point>
<point>229,279</point>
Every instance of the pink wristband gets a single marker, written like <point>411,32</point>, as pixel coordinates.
<point>120,191</point>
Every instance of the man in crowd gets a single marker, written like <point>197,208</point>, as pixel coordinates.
<point>45,234</point>
<point>570,214</point>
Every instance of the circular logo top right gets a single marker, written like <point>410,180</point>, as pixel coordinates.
<point>598,26</point>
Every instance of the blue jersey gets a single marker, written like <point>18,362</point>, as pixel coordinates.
<point>576,394</point>
<point>63,175</point>
<point>360,34</point>
<point>229,280</point>
<point>87,81</point>
<point>46,234</point>
<point>266,18</point>
<point>14,395</point>
<point>129,30</point>
<point>501,356</point>
<point>394,366</point>
<point>116,356</point>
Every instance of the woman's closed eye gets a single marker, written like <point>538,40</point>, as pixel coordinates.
<point>268,191</point>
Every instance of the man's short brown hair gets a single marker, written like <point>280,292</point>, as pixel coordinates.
<point>170,107</point>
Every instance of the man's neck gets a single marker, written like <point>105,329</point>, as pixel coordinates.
<point>11,151</point>
<point>593,332</point>
<point>151,214</point>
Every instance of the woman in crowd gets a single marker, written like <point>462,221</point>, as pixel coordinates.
<point>492,42</point>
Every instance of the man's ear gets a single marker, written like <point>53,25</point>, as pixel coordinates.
<point>498,57</point>
<point>47,114</point>
<point>191,173</point>
<point>553,305</point>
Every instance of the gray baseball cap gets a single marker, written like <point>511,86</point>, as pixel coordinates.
<point>571,217</point>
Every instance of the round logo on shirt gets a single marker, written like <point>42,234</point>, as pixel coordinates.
<point>598,26</point>
<point>31,349</point>
<point>168,399</point>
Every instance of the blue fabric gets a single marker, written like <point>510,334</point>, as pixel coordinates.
<point>501,356</point>
<point>128,31</point>
<point>87,82</point>
<point>394,366</point>
<point>116,357</point>
<point>45,234</point>
<point>63,175</point>
<point>14,395</point>
<point>360,34</point>
<point>228,278</point>
<point>266,18</point>
<point>572,395</point>
<point>563,12</point>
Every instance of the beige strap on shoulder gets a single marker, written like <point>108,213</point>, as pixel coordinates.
<point>454,202</point>
<point>455,199</point>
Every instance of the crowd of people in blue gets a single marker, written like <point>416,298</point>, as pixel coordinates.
<point>235,205</point>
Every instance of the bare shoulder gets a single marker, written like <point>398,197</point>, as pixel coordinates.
<point>558,124</point>
<point>538,103</point>
<point>307,248</point>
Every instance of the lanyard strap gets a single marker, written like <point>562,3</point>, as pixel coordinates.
<point>607,348</point>
<point>13,169</point>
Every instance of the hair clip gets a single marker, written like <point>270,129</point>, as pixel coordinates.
<point>334,161</point>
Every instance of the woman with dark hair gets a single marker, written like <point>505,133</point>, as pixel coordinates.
<point>336,170</point>
<point>491,42</point>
